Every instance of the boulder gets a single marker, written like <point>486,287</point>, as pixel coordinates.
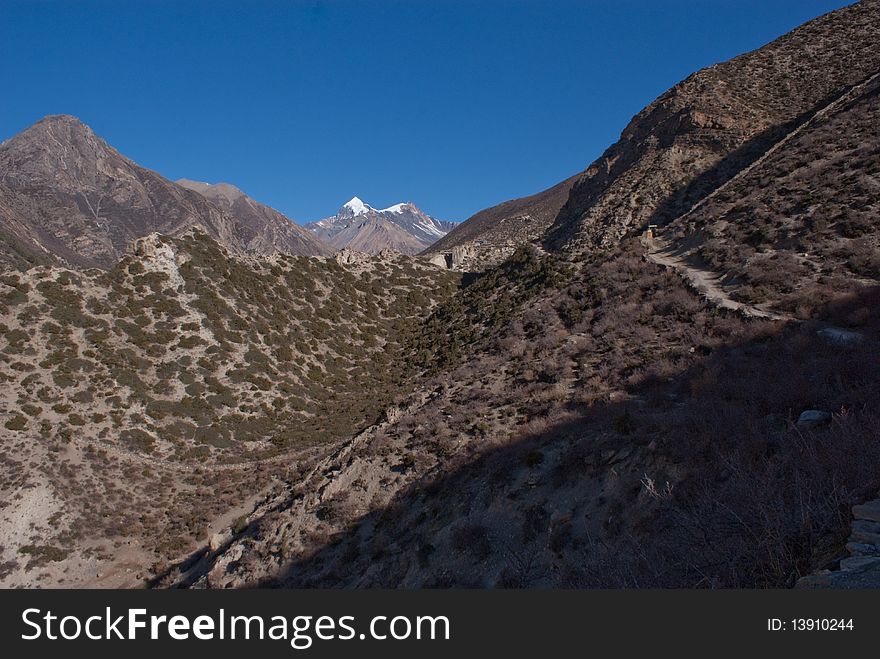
<point>812,419</point>
<point>864,526</point>
<point>865,538</point>
<point>861,549</point>
<point>840,337</point>
<point>860,563</point>
<point>439,260</point>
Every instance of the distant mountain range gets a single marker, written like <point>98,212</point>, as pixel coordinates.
<point>402,227</point>
<point>68,197</point>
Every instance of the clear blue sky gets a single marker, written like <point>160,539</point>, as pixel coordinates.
<point>453,105</point>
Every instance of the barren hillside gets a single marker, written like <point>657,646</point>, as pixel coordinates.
<point>493,234</point>
<point>704,130</point>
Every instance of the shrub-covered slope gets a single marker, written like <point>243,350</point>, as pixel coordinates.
<point>184,358</point>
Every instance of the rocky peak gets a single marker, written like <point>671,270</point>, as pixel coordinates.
<point>73,197</point>
<point>59,149</point>
<point>224,194</point>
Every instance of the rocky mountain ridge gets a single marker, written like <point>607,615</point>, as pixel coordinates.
<point>281,234</point>
<point>68,197</point>
<point>687,143</point>
<point>718,121</point>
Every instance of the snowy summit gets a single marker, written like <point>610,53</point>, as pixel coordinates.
<point>357,207</point>
<point>401,227</point>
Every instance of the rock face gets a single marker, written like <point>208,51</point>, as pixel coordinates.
<point>403,228</point>
<point>473,257</point>
<point>67,196</point>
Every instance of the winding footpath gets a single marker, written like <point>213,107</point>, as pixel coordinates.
<point>705,282</point>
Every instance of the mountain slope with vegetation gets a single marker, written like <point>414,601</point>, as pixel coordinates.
<point>181,381</point>
<point>800,227</point>
<point>700,133</point>
<point>589,416</point>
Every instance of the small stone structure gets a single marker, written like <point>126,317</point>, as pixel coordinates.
<point>456,258</point>
<point>861,569</point>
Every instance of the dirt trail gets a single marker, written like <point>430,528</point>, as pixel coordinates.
<point>706,282</point>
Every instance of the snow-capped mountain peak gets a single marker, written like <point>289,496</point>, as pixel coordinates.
<point>402,227</point>
<point>355,206</point>
<point>396,208</point>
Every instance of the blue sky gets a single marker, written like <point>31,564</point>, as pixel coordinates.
<point>453,105</point>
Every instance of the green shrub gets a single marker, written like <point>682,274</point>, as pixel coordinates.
<point>137,439</point>
<point>17,422</point>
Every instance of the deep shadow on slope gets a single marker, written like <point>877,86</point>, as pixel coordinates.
<point>700,479</point>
